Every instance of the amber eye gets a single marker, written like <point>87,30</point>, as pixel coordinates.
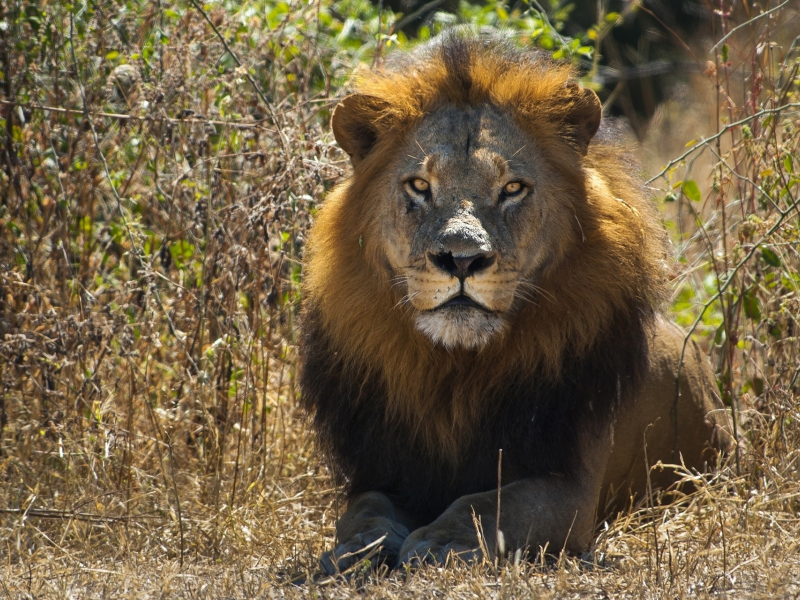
<point>419,185</point>
<point>512,188</point>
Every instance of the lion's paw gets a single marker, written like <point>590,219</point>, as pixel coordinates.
<point>429,546</point>
<point>376,546</point>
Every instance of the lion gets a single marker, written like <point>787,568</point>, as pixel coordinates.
<point>482,330</point>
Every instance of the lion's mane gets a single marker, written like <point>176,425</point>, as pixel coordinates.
<point>423,424</point>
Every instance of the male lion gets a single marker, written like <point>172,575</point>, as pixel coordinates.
<point>490,278</point>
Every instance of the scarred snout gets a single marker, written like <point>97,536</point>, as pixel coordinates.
<point>462,247</point>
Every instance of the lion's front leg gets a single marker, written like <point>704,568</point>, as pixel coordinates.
<point>371,527</point>
<point>535,513</point>
<point>545,512</point>
<point>454,532</point>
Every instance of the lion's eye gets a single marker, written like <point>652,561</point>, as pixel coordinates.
<point>512,188</point>
<point>419,185</point>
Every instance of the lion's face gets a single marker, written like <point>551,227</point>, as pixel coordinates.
<point>469,223</point>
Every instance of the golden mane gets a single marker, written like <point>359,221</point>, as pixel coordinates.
<point>611,261</point>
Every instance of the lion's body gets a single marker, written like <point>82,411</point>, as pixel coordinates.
<point>489,280</point>
<point>686,431</point>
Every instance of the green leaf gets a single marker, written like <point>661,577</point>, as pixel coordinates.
<point>752,307</point>
<point>724,52</point>
<point>112,55</point>
<point>756,384</point>
<point>770,257</point>
<point>692,190</point>
<point>790,281</point>
<point>787,163</point>
<point>181,251</point>
<point>34,17</point>
<point>15,229</point>
<point>719,335</point>
<point>792,182</point>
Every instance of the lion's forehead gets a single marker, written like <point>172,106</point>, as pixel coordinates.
<point>469,146</point>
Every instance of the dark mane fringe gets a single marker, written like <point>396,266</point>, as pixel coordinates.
<point>456,57</point>
<point>535,420</point>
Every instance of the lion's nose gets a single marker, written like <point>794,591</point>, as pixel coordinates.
<point>462,266</point>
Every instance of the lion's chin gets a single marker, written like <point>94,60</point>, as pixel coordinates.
<point>459,327</point>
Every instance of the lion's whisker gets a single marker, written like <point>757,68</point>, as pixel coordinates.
<point>520,150</point>
<point>406,300</point>
<point>532,287</point>
<point>527,296</point>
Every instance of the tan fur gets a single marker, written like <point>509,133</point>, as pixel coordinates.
<point>672,424</point>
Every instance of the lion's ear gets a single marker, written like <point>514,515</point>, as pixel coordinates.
<point>355,124</point>
<point>582,118</point>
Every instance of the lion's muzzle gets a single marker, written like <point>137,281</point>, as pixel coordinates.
<point>457,292</point>
<point>461,266</point>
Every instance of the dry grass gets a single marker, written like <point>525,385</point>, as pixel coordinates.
<point>151,240</point>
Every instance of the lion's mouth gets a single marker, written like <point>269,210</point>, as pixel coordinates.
<point>462,301</point>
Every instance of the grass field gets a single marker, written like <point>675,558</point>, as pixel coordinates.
<point>160,164</point>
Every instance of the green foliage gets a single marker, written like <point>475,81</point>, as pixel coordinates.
<point>692,190</point>
<point>740,244</point>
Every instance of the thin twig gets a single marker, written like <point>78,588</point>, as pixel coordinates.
<point>499,542</point>
<point>148,119</point>
<point>642,7</point>
<point>747,180</point>
<point>746,23</point>
<point>719,134</point>
<point>283,141</point>
<point>78,516</point>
